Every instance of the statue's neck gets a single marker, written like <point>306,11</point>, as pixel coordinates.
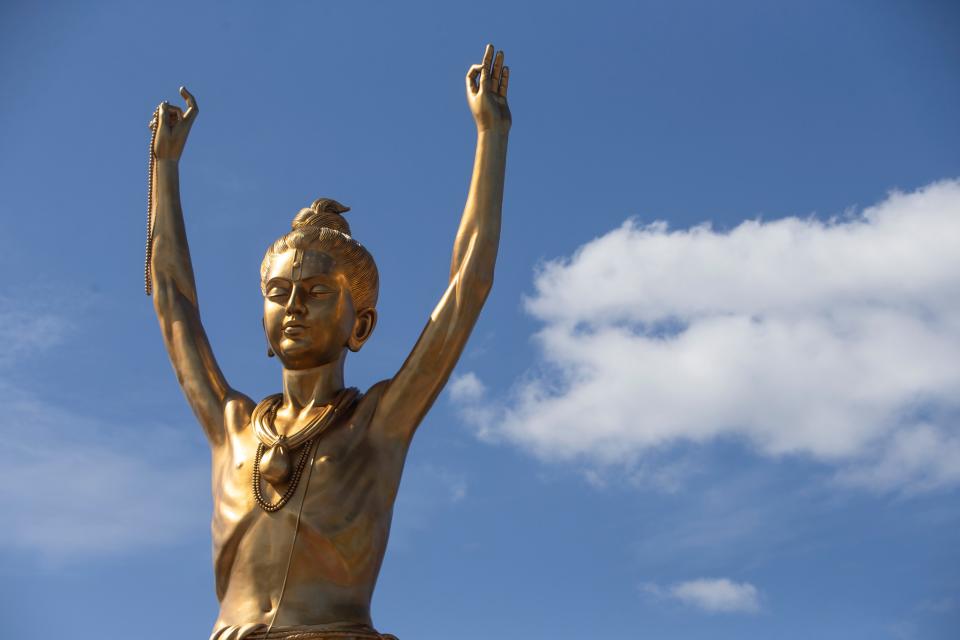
<point>306,389</point>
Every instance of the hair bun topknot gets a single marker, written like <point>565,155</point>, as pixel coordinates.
<point>324,213</point>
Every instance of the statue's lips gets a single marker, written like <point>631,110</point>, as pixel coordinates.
<point>294,330</point>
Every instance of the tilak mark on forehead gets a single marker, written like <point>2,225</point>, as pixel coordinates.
<point>297,268</point>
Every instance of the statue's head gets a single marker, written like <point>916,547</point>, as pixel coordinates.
<point>319,289</point>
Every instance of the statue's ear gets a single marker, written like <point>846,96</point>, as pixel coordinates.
<point>362,328</point>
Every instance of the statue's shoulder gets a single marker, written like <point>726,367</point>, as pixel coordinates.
<point>378,421</point>
<point>237,411</point>
<point>376,391</point>
<point>365,406</point>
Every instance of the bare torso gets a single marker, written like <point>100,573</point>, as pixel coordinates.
<point>347,496</point>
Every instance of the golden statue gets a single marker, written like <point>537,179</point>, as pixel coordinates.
<point>304,481</point>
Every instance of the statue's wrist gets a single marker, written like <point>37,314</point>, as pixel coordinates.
<point>168,169</point>
<point>500,131</point>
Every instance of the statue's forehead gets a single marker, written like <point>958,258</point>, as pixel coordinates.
<point>296,264</point>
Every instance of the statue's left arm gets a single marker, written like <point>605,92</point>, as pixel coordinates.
<point>409,394</point>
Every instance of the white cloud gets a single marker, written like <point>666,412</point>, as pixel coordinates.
<point>838,340</point>
<point>466,387</point>
<point>921,457</point>
<point>23,332</point>
<point>73,485</point>
<point>713,595</point>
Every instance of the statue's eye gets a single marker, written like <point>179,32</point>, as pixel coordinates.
<point>320,291</point>
<point>278,293</point>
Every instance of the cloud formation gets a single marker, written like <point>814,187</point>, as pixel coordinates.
<point>466,388</point>
<point>77,486</point>
<point>22,332</point>
<point>838,340</point>
<point>73,485</point>
<point>713,595</point>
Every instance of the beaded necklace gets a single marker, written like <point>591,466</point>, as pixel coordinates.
<point>272,461</point>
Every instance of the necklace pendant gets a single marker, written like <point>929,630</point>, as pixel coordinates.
<point>275,464</point>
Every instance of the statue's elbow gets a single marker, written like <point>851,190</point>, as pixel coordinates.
<point>483,283</point>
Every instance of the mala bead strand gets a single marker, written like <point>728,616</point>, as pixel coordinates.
<point>151,166</point>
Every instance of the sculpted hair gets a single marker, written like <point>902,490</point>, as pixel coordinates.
<point>322,227</point>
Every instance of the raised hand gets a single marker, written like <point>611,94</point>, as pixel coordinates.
<point>173,126</point>
<point>487,92</point>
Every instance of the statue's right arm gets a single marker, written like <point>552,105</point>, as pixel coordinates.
<point>174,287</point>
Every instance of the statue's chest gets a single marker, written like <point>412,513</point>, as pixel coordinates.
<point>340,486</point>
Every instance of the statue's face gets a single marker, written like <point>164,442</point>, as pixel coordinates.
<point>308,312</point>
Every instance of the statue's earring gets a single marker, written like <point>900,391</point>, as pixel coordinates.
<point>270,353</point>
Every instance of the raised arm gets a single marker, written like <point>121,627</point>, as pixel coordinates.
<point>174,288</point>
<point>409,394</point>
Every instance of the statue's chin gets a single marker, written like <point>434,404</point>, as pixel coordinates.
<point>302,359</point>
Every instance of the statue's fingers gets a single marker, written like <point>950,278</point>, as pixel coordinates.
<point>497,67</point>
<point>163,113</point>
<point>504,81</point>
<point>485,65</point>
<point>172,114</point>
<point>192,108</point>
<point>472,78</point>
<point>168,110</point>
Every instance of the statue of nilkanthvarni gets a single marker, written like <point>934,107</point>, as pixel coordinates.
<point>304,481</point>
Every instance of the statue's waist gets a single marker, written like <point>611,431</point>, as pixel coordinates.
<point>253,555</point>
<point>304,632</point>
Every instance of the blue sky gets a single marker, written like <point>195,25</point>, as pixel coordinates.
<point>713,392</point>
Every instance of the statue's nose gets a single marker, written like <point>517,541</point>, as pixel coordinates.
<point>295,302</point>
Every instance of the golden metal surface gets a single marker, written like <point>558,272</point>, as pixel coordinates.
<point>310,566</point>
